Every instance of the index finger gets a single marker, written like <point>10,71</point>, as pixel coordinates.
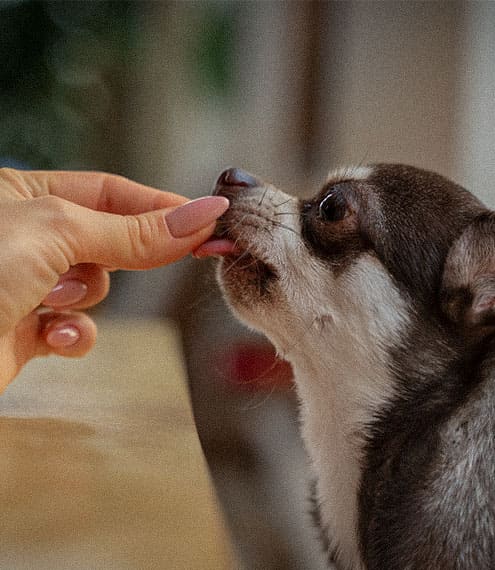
<point>101,191</point>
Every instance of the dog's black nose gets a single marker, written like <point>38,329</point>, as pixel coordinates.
<point>234,178</point>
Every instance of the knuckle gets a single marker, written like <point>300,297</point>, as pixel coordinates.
<point>52,203</point>
<point>142,237</point>
<point>56,219</point>
<point>15,180</point>
<point>57,212</point>
<point>8,173</point>
<point>106,199</point>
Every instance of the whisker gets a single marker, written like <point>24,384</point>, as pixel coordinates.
<point>238,223</point>
<point>299,339</point>
<point>286,214</point>
<point>250,264</point>
<point>284,202</point>
<point>251,406</point>
<point>263,196</point>
<point>265,373</point>
<point>236,261</point>
<point>285,227</point>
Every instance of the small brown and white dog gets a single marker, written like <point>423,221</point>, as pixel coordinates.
<point>380,291</point>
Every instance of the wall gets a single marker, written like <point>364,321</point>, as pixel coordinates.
<point>475,140</point>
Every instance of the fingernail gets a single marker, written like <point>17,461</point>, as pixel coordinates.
<point>66,293</point>
<point>63,337</point>
<point>195,215</point>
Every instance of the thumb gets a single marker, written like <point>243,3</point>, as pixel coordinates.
<point>146,240</point>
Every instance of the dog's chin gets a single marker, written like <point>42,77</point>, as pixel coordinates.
<point>243,274</point>
<point>247,269</point>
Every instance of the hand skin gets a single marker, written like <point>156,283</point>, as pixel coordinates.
<point>61,233</point>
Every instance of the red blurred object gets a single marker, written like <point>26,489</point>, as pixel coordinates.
<point>255,367</point>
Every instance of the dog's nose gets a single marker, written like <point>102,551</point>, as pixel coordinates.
<point>232,179</point>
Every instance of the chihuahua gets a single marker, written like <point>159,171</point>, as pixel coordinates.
<point>380,292</point>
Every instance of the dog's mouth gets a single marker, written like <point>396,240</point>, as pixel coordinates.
<point>242,265</point>
<point>217,247</point>
<point>238,258</point>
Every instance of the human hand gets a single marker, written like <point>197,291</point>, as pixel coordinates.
<point>60,233</point>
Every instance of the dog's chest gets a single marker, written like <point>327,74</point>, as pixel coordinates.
<point>341,387</point>
<point>332,428</point>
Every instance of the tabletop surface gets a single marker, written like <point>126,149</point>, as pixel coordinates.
<point>101,466</point>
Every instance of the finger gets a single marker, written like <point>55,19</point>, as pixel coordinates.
<point>70,334</point>
<point>99,191</point>
<point>39,334</point>
<point>17,347</point>
<point>83,286</point>
<point>139,242</point>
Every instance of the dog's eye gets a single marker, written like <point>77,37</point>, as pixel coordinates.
<point>333,207</point>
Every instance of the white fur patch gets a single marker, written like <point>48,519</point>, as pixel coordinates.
<point>343,380</point>
<point>349,173</point>
<point>334,330</point>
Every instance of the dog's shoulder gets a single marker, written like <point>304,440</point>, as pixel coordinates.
<point>427,495</point>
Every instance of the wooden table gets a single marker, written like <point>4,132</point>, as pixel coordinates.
<point>100,463</point>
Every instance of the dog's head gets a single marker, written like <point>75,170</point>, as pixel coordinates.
<point>373,243</point>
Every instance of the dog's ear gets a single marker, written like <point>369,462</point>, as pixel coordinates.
<point>468,286</point>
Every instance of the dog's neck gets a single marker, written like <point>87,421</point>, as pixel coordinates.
<point>346,378</point>
<point>343,379</point>
<point>336,406</point>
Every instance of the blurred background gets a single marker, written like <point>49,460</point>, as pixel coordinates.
<point>170,94</point>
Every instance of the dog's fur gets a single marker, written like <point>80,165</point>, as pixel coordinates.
<point>380,292</point>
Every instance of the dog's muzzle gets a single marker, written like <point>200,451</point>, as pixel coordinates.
<point>229,184</point>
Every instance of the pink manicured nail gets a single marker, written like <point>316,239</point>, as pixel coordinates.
<point>195,215</point>
<point>63,337</point>
<point>66,293</point>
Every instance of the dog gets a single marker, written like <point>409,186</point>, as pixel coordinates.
<point>380,292</point>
